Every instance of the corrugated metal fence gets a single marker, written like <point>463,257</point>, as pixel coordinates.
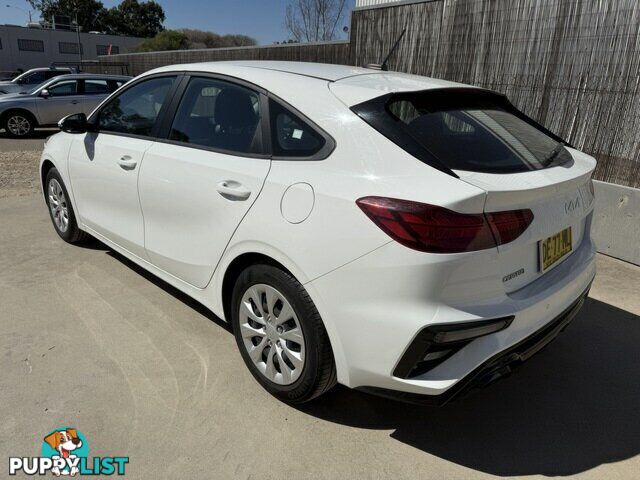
<point>573,65</point>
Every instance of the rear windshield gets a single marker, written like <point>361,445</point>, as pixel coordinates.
<point>465,130</point>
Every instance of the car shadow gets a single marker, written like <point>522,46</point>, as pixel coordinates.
<point>171,290</point>
<point>570,409</point>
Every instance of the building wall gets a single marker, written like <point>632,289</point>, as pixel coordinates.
<point>12,58</point>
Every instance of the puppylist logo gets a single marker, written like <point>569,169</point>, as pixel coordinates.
<point>65,451</point>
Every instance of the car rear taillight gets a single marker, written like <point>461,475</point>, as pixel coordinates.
<point>434,229</point>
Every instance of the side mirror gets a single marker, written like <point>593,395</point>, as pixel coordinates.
<point>44,93</point>
<point>76,123</point>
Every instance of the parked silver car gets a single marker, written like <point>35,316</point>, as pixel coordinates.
<point>32,78</point>
<point>46,104</point>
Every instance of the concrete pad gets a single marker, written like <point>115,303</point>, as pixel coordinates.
<point>89,340</point>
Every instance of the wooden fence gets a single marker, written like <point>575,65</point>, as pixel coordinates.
<point>573,65</point>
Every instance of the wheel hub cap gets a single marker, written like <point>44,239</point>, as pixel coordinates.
<point>271,334</point>
<point>18,125</point>
<point>58,205</point>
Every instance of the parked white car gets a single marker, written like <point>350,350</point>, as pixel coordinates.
<point>401,235</point>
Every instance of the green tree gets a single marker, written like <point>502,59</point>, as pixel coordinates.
<point>165,40</point>
<point>201,39</point>
<point>136,19</point>
<point>91,13</point>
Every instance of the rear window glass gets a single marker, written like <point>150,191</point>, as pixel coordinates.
<point>466,130</point>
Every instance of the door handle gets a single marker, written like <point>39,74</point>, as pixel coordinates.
<point>232,190</point>
<point>74,102</point>
<point>127,163</point>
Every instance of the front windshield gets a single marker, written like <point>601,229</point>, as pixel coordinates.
<point>35,89</point>
<point>19,77</point>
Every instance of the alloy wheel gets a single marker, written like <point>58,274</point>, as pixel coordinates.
<point>18,125</point>
<point>58,205</point>
<point>272,334</point>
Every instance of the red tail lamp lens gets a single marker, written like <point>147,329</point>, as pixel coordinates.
<point>434,229</point>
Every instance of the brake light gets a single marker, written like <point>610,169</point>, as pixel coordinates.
<point>507,226</point>
<point>429,228</point>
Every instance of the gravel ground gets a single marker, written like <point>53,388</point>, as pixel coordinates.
<point>19,173</point>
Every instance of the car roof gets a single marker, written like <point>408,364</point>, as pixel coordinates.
<point>323,71</point>
<point>74,76</point>
<point>351,84</point>
<point>44,69</point>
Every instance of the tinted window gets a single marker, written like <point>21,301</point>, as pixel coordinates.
<point>60,89</point>
<point>291,136</point>
<point>218,115</point>
<point>53,73</point>
<point>136,110</point>
<point>468,131</point>
<point>35,78</point>
<point>96,87</point>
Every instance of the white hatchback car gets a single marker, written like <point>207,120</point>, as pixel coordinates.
<point>401,235</point>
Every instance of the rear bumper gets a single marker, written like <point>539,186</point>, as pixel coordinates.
<point>497,367</point>
<point>375,308</point>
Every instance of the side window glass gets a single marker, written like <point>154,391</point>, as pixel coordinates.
<point>136,110</point>
<point>114,85</point>
<point>64,88</point>
<point>291,136</point>
<point>96,87</point>
<point>52,73</point>
<point>35,78</point>
<point>220,115</point>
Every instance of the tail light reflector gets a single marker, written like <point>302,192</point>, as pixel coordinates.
<point>429,228</point>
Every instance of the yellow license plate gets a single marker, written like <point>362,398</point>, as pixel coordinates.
<point>554,248</point>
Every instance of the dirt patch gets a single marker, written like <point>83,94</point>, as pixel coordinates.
<point>19,173</point>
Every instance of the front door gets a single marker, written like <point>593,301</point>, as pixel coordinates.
<point>104,165</point>
<point>196,186</point>
<point>64,98</point>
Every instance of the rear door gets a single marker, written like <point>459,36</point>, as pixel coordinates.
<point>94,91</point>
<point>198,183</point>
<point>561,200</point>
<point>481,138</point>
<point>520,167</point>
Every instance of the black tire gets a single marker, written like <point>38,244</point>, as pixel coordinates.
<point>25,118</point>
<point>319,371</point>
<point>72,234</point>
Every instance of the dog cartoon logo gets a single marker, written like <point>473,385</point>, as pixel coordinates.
<point>66,444</point>
<point>65,451</point>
